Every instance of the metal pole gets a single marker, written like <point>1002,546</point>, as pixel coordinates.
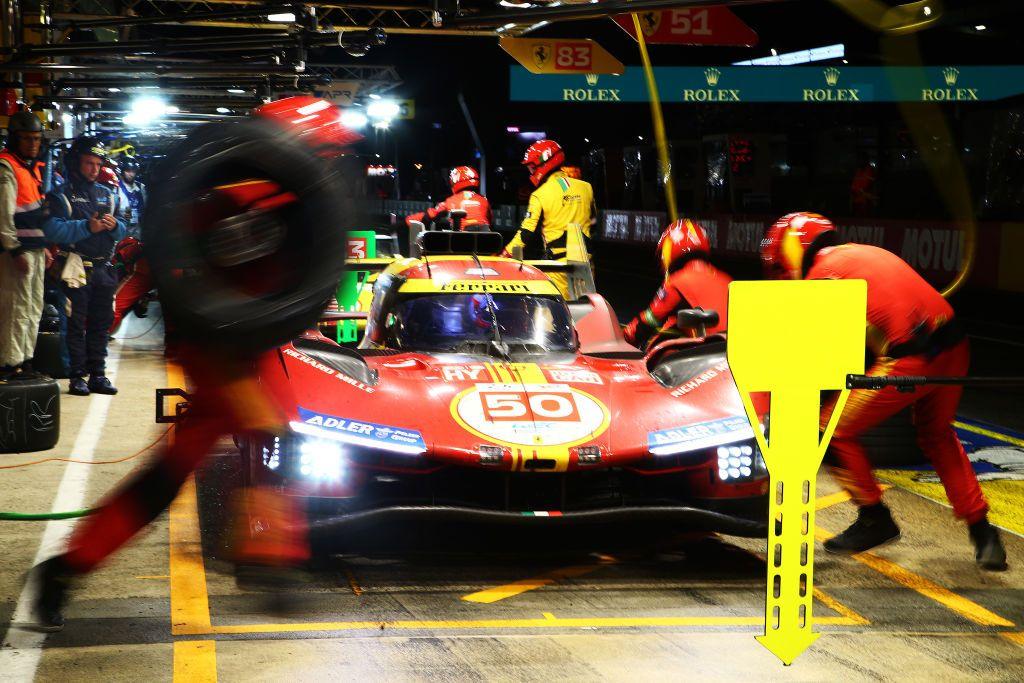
<point>659,124</point>
<point>477,142</point>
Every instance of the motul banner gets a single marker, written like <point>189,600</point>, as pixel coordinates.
<point>693,26</point>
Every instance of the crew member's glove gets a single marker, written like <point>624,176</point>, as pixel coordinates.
<point>629,331</point>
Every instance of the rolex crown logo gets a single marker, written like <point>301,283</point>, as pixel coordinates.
<point>591,79</point>
<point>831,75</point>
<point>712,75</point>
<point>951,73</point>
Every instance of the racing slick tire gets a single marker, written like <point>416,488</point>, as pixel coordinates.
<point>241,277</point>
<point>29,414</point>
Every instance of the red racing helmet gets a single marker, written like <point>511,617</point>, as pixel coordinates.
<point>108,177</point>
<point>787,241</point>
<point>463,177</point>
<point>312,120</point>
<point>679,239</point>
<point>541,158</point>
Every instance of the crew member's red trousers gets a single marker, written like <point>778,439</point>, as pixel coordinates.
<point>220,405</point>
<point>934,409</point>
<point>131,289</point>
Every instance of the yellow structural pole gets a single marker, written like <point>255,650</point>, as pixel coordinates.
<point>659,124</point>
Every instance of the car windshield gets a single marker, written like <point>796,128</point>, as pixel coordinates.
<point>464,323</point>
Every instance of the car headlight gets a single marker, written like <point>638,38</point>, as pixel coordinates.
<point>320,459</point>
<point>740,462</point>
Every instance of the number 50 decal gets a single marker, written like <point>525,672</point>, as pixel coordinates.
<point>544,407</point>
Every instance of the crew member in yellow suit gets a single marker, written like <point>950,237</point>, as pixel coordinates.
<point>560,215</point>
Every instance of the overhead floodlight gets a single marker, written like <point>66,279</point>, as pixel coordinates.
<point>147,110</point>
<point>223,110</point>
<point>383,110</point>
<point>282,18</point>
<point>980,27</point>
<point>353,119</point>
<point>927,11</point>
<point>374,96</point>
<point>113,90</point>
<point>816,54</point>
<point>236,91</point>
<point>517,5</point>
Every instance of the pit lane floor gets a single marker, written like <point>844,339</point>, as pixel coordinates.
<point>917,610</point>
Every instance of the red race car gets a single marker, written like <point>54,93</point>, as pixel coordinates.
<point>479,395</point>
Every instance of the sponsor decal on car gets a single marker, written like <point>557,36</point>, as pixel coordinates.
<point>326,369</point>
<point>702,378</point>
<point>530,414</point>
<point>425,286</point>
<point>571,375</point>
<point>701,435</point>
<point>463,373</point>
<point>368,434</point>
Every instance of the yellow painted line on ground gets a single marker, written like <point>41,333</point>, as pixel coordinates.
<point>968,609</point>
<point>190,604</point>
<point>1015,638</point>
<point>836,606</point>
<point>547,621</point>
<point>195,661</point>
<point>990,433</point>
<point>823,502</point>
<point>517,587</point>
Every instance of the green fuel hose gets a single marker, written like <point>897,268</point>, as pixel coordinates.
<point>42,516</point>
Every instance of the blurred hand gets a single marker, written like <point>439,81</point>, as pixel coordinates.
<point>109,222</point>
<point>49,258</point>
<point>96,224</point>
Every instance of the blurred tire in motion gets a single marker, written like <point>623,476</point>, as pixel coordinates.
<point>243,235</point>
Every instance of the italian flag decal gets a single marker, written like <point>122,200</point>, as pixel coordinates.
<point>542,513</point>
<point>564,184</point>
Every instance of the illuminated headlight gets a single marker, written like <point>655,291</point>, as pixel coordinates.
<point>588,455</point>
<point>272,454</point>
<point>739,462</point>
<point>320,459</point>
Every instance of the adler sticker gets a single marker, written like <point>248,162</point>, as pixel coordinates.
<point>530,414</point>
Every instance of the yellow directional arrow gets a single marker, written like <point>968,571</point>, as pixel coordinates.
<point>794,340</point>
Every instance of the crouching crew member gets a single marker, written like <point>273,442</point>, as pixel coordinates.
<point>89,278</point>
<point>690,281</point>
<point>465,183</point>
<point>911,331</point>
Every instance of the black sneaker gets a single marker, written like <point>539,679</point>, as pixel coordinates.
<point>874,527</point>
<point>141,309</point>
<point>988,546</point>
<point>78,387</point>
<point>54,581</point>
<point>99,384</point>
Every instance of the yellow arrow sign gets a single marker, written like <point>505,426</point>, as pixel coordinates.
<point>794,340</point>
<point>561,56</point>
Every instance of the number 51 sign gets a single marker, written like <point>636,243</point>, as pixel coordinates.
<point>561,56</point>
<point>692,26</point>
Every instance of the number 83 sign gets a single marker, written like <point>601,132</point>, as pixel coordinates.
<point>561,56</point>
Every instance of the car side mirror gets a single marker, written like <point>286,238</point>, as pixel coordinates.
<point>456,216</point>
<point>696,320</point>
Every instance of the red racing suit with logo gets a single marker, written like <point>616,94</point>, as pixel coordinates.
<point>476,206</point>
<point>911,331</point>
<point>696,283</point>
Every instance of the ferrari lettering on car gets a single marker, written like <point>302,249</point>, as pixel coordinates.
<point>701,435</point>
<point>362,433</point>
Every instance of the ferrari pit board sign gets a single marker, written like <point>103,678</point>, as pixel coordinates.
<point>561,56</point>
<point>693,26</point>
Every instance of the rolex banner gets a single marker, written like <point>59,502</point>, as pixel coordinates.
<point>737,84</point>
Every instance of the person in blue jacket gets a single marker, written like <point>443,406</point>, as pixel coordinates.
<point>93,212</point>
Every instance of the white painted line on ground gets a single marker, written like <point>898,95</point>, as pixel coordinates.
<point>23,648</point>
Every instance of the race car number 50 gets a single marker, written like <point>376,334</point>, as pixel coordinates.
<point>499,406</point>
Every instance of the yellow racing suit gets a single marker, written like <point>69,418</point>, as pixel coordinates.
<point>557,223</point>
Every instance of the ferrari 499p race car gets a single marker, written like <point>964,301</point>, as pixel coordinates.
<point>478,394</point>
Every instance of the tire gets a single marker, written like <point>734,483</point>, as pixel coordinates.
<point>48,355</point>
<point>29,415</point>
<point>208,305</point>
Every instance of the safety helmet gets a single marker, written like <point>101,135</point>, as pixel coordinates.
<point>108,177</point>
<point>23,122</point>
<point>86,145</point>
<point>129,165</point>
<point>541,158</point>
<point>786,243</point>
<point>313,120</point>
<point>679,239</point>
<point>463,177</point>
